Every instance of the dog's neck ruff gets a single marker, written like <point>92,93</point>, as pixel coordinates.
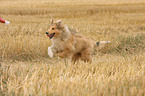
<point>64,36</point>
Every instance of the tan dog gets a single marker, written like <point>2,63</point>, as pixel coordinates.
<point>66,43</point>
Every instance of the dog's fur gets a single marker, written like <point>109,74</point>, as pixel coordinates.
<point>66,43</point>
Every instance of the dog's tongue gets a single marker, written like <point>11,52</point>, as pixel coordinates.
<point>50,35</point>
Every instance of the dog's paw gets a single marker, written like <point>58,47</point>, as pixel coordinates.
<point>50,53</point>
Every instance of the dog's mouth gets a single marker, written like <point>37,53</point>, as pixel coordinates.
<point>50,35</point>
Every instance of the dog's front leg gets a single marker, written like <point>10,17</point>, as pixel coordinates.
<point>64,54</point>
<point>67,51</point>
<point>51,51</point>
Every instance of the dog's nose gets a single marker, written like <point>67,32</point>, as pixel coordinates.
<point>47,33</point>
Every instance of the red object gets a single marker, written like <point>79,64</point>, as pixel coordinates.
<point>2,20</point>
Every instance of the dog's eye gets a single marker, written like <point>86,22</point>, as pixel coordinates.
<point>52,28</point>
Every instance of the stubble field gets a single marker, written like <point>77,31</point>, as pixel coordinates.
<point>116,70</point>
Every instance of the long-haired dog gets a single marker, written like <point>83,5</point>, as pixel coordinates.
<point>66,43</point>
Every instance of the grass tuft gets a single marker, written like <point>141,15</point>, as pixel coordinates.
<point>131,44</point>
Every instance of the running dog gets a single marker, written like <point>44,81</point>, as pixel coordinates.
<point>66,43</point>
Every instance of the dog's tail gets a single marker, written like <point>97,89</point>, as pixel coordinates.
<point>101,44</point>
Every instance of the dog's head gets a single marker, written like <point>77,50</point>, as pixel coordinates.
<point>55,29</point>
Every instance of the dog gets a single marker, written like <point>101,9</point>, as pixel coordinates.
<point>66,43</point>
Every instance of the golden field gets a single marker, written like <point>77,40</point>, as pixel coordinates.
<point>116,70</point>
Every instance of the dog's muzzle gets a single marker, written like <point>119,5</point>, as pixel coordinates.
<point>50,35</point>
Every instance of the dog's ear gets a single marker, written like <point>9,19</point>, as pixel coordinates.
<point>51,21</point>
<point>59,23</point>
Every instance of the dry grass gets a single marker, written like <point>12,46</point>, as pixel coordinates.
<point>118,69</point>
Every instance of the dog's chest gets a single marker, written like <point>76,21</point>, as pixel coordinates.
<point>57,44</point>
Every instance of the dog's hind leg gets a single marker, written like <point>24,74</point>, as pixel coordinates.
<point>86,58</point>
<point>76,57</point>
<point>86,55</point>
